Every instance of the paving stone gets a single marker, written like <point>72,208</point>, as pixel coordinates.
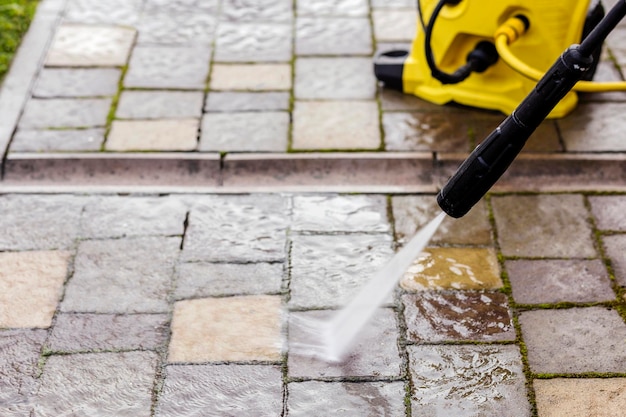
<point>457,316</point>
<point>102,384</point>
<point>580,397</point>
<point>374,352</point>
<point>227,329</point>
<point>153,135</point>
<point>594,127</point>
<point>339,213</point>
<point>253,77</point>
<point>575,340</point>
<point>77,82</point>
<point>90,46</point>
<point>57,140</point>
<point>163,27</point>
<point>581,281</point>
<point>453,268</point>
<point>254,132</point>
<point>65,112</point>
<point>411,213</point>
<point>608,212</point>
<point>333,8</point>
<point>332,125</point>
<point>31,285</point>
<point>220,390</point>
<point>121,12</point>
<point>98,332</point>
<point>341,78</point>
<point>394,25</point>
<point>524,222</point>
<point>372,399</point>
<point>328,270</point>
<point>182,67</point>
<point>120,276</point>
<point>615,247</point>
<point>464,381</point>
<point>159,104</point>
<point>237,228</point>
<point>238,101</point>
<point>393,100</point>
<point>544,139</point>
<point>333,36</point>
<point>182,6</point>
<point>38,221</point>
<point>253,42</point>
<point>203,279</point>
<point>115,217</point>
<point>258,10</point>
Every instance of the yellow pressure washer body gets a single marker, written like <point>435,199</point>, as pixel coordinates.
<point>552,27</point>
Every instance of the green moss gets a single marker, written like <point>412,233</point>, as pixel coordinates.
<point>15,17</point>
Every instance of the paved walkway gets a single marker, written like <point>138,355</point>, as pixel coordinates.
<point>157,259</point>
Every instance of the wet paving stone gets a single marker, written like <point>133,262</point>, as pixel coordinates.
<point>221,390</point>
<point>561,220</point>
<point>158,105</point>
<point>457,316</point>
<point>253,77</point>
<point>597,121</point>
<point>394,25</point>
<point>338,213</point>
<point>615,247</point>
<point>90,46</point>
<point>103,384</point>
<point>166,28</point>
<point>341,78</point>
<point>31,285</point>
<point>258,10</point>
<point>333,36</point>
<point>468,381</point>
<point>239,101</point>
<point>374,353</point>
<point>227,329</point>
<point>254,132</point>
<point>120,12</point>
<point>608,212</point>
<point>333,8</point>
<point>119,276</point>
<point>253,42</point>
<point>579,397</point>
<point>575,340</point>
<point>393,100</point>
<point>327,271</point>
<point>102,332</point>
<point>182,67</point>
<point>554,281</point>
<point>237,228</point>
<point>153,135</point>
<point>203,279</point>
<point>453,268</point>
<point>331,125</point>
<point>57,140</point>
<point>77,82</point>
<point>371,399</point>
<point>65,113</point>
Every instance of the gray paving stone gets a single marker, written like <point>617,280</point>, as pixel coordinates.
<point>253,42</point>
<point>608,212</point>
<point>258,10</point>
<point>524,222</point>
<point>467,381</point>
<point>333,36</point>
<point>328,270</point>
<point>333,8</point>
<point>39,222</point>
<point>334,78</point>
<point>101,332</point>
<point>221,390</point>
<point>254,132</point>
<point>366,399</point>
<point>102,384</point>
<point>159,104</point>
<point>77,82</point>
<point>615,247</point>
<point>122,276</point>
<point>457,316</point>
<point>163,27</point>
<point>554,281</point>
<point>238,101</point>
<point>393,25</point>
<point>201,279</point>
<point>237,228</point>
<point>392,4</point>
<point>182,67</point>
<point>182,6</point>
<point>594,127</point>
<point>575,340</point>
<point>374,353</point>
<point>65,112</point>
<point>57,140</point>
<point>121,12</point>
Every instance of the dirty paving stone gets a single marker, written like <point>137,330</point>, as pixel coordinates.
<point>57,140</point>
<point>608,212</point>
<point>77,82</point>
<point>615,247</point>
<point>253,42</point>
<point>253,132</point>
<point>158,104</point>
<point>239,101</point>
<point>65,113</point>
<point>252,77</point>
<point>341,78</point>
<point>333,36</point>
<point>580,397</point>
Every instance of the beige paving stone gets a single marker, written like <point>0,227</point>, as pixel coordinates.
<point>336,125</point>
<point>253,77</point>
<point>453,268</point>
<point>153,135</point>
<point>394,25</point>
<point>30,287</point>
<point>578,397</point>
<point>227,329</point>
<point>90,45</point>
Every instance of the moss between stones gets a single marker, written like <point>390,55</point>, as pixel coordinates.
<point>15,18</point>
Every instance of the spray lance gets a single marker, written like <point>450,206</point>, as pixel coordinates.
<point>492,157</point>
